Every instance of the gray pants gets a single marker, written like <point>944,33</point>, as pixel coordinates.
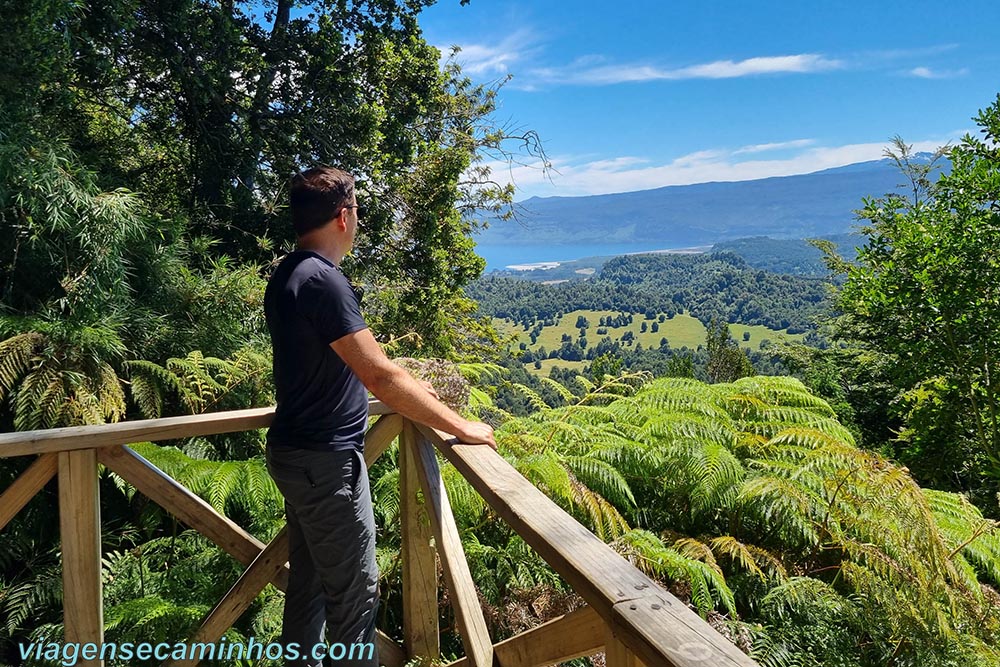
<point>333,579</point>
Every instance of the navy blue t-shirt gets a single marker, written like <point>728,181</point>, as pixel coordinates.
<point>321,402</point>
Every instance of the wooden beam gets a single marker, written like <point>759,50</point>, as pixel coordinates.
<point>651,622</point>
<point>262,570</point>
<point>390,653</point>
<point>420,594</point>
<point>617,654</point>
<point>27,484</point>
<point>574,635</point>
<point>380,436</point>
<point>183,504</point>
<point>80,534</point>
<point>22,443</point>
<point>465,600</point>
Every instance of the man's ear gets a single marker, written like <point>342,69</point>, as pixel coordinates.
<point>341,220</point>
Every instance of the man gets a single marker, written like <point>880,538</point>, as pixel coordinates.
<point>324,359</point>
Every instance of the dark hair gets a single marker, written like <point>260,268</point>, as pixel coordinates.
<point>317,197</point>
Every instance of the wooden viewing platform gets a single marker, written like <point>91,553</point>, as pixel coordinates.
<point>628,615</point>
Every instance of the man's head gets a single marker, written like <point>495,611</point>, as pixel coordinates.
<point>319,196</point>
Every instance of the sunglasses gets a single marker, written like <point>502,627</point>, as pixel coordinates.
<point>361,209</point>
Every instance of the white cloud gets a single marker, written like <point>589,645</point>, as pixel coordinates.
<point>575,177</point>
<point>591,70</point>
<point>781,145</point>
<point>726,69</point>
<point>928,73</point>
<point>495,59</point>
<point>516,53</point>
<point>898,54</point>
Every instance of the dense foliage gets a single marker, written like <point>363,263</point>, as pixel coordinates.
<point>751,499</point>
<point>718,285</point>
<point>921,306</point>
<point>528,302</point>
<point>144,147</point>
<point>793,256</point>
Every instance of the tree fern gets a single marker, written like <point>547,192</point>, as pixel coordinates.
<point>967,532</point>
<point>688,563</point>
<point>243,489</point>
<point>16,355</point>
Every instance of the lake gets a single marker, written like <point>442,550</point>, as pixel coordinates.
<point>500,256</point>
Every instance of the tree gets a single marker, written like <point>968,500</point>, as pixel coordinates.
<point>144,150</point>
<point>205,108</point>
<point>727,361</point>
<point>924,294</point>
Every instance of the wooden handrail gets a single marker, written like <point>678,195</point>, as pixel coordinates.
<point>642,620</point>
<point>655,625</point>
<point>22,443</point>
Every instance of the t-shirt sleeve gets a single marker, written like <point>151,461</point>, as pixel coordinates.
<point>329,304</point>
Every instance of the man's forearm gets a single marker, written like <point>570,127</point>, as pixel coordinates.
<point>398,390</point>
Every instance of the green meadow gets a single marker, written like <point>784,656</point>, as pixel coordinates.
<point>681,331</point>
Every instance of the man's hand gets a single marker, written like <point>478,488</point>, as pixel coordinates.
<point>476,433</point>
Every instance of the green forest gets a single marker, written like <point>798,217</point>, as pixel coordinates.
<point>828,497</point>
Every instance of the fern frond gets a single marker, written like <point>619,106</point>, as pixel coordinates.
<point>558,387</point>
<point>16,359</point>
<point>799,592</point>
<point>536,401</point>
<point>481,372</point>
<point>750,558</point>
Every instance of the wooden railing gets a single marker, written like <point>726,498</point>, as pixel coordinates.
<point>628,615</point>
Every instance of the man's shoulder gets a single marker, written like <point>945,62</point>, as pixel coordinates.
<point>304,268</point>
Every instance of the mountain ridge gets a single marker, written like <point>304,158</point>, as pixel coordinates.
<point>819,203</point>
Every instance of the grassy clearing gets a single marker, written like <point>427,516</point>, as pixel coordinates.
<point>758,333</point>
<point>680,331</point>
<point>549,364</point>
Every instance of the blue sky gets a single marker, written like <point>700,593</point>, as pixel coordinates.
<point>632,95</point>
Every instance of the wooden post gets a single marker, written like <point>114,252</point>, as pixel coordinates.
<point>420,598</point>
<point>464,598</point>
<point>617,654</point>
<point>80,532</point>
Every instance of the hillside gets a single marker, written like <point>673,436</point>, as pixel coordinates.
<point>717,285</point>
<point>796,257</point>
<point>788,207</point>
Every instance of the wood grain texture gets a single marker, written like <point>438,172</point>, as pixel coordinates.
<point>464,598</point>
<point>381,434</point>
<point>574,635</point>
<point>390,653</point>
<point>617,654</point>
<point>22,443</point>
<point>80,534</point>
<point>27,484</point>
<point>420,593</point>
<point>652,623</point>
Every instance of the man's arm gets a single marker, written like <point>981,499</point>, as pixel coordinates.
<point>396,388</point>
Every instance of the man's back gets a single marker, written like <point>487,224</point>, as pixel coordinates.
<point>321,404</point>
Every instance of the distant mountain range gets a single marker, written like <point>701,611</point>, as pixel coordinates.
<point>802,206</point>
